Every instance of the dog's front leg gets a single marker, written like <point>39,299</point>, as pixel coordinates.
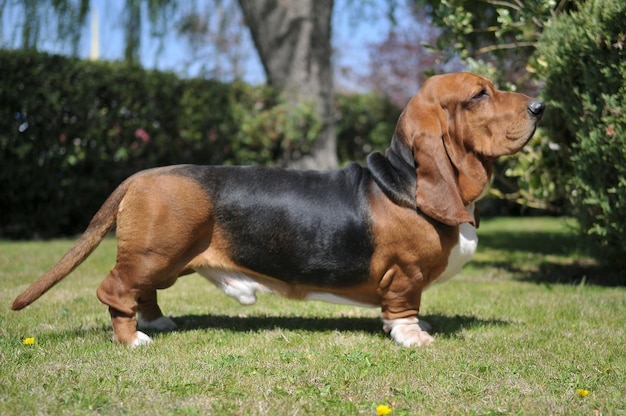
<point>401,298</point>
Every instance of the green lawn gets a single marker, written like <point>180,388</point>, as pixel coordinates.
<point>523,330</point>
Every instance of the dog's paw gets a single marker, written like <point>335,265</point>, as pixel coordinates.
<point>408,331</point>
<point>162,323</point>
<point>139,339</point>
<point>142,339</point>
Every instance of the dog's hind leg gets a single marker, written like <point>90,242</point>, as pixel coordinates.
<point>130,292</point>
<point>162,224</point>
<point>122,302</point>
<point>150,315</point>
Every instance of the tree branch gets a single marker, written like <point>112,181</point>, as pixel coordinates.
<point>492,48</point>
<point>559,7</point>
<point>504,4</point>
<point>496,28</point>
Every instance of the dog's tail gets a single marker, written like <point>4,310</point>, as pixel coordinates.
<point>98,228</point>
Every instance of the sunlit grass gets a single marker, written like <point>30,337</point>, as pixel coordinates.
<point>529,328</point>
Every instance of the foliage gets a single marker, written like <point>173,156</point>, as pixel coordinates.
<point>516,334</point>
<point>583,63</point>
<point>365,123</point>
<point>73,130</point>
<point>270,130</point>
<point>501,33</point>
<point>535,177</point>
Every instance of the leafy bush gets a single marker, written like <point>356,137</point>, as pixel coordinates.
<point>584,65</point>
<point>71,131</point>
<point>364,123</point>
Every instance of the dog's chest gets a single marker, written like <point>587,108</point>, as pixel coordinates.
<point>463,251</point>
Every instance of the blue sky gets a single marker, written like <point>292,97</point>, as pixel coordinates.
<point>352,33</point>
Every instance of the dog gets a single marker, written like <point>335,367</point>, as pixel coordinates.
<point>374,235</point>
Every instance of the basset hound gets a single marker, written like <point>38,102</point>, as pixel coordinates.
<point>374,235</point>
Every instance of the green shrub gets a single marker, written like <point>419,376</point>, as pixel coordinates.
<point>364,123</point>
<point>72,130</point>
<point>584,64</point>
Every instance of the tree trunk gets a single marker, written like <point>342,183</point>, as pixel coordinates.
<point>293,41</point>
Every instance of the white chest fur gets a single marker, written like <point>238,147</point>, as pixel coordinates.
<point>463,251</point>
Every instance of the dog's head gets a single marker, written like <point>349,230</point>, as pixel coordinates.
<point>454,128</point>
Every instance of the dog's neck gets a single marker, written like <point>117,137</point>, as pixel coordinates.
<point>395,173</point>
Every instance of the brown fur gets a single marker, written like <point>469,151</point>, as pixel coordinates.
<point>445,139</point>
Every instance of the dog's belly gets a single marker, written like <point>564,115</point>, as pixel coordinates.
<point>243,288</point>
<point>341,300</point>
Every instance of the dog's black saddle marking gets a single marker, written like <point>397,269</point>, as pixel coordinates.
<point>302,227</point>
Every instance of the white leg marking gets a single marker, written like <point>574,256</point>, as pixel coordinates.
<point>142,339</point>
<point>408,332</point>
<point>162,323</point>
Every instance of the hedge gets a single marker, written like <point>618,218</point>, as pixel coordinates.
<point>584,68</point>
<point>72,130</point>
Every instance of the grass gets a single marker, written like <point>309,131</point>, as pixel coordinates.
<point>525,326</point>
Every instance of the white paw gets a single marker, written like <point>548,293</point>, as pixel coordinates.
<point>408,331</point>
<point>142,339</point>
<point>162,323</point>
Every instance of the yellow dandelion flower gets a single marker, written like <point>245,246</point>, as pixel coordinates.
<point>29,341</point>
<point>582,393</point>
<point>383,410</point>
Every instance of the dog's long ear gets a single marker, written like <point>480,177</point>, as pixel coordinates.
<point>473,173</point>
<point>437,194</point>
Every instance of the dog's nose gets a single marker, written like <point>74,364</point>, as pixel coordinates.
<point>536,108</point>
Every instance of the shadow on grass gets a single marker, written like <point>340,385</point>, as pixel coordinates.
<point>577,273</point>
<point>540,242</point>
<point>442,325</point>
<point>578,270</point>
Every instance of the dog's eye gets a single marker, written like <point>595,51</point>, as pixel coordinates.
<point>481,95</point>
